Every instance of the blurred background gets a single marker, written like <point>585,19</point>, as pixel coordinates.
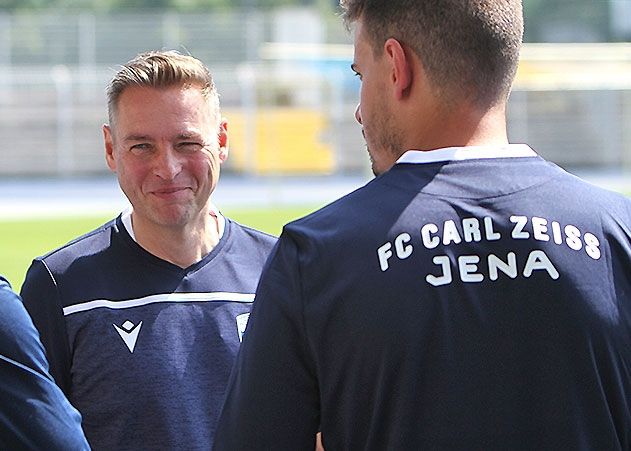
<point>282,68</point>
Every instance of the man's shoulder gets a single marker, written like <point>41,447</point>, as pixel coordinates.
<point>88,244</point>
<point>11,309</point>
<point>347,211</point>
<point>257,237</point>
<point>18,339</point>
<point>592,196</point>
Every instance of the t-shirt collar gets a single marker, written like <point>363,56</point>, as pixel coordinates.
<point>214,211</point>
<point>467,153</point>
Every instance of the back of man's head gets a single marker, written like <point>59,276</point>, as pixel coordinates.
<point>162,69</point>
<point>468,48</point>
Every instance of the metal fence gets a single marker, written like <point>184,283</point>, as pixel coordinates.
<point>285,87</point>
<point>90,39</point>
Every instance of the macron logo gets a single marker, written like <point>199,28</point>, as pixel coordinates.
<point>129,333</point>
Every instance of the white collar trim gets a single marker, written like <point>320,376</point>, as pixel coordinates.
<point>467,153</point>
<point>126,219</point>
<point>214,211</point>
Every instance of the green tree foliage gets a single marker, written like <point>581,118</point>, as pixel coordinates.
<point>126,5</point>
<point>22,4</point>
<point>543,17</point>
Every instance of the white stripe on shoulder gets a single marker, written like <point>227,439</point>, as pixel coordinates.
<point>467,153</point>
<point>160,298</point>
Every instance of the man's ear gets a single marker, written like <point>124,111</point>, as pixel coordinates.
<point>222,136</point>
<point>400,67</point>
<point>109,147</point>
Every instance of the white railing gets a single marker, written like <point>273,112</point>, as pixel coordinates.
<point>571,102</point>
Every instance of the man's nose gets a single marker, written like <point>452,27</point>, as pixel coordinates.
<point>167,164</point>
<point>358,113</point>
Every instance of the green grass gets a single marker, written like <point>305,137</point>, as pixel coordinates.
<point>22,240</point>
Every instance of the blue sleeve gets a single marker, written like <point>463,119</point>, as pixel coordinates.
<point>272,400</point>
<point>40,296</point>
<point>34,413</point>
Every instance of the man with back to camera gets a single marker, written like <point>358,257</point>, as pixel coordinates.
<point>142,318</point>
<point>471,297</point>
<point>34,413</point>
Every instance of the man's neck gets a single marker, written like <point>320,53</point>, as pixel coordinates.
<point>460,127</point>
<point>181,245</point>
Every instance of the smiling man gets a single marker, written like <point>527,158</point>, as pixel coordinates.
<point>142,318</point>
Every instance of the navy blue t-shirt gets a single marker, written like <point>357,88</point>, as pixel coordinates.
<point>142,347</point>
<point>460,301</point>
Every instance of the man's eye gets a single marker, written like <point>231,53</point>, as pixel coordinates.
<point>140,148</point>
<point>189,146</point>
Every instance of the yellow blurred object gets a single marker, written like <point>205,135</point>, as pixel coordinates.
<point>283,140</point>
<point>574,66</point>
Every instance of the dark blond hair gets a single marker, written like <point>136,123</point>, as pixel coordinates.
<point>468,48</point>
<point>162,69</point>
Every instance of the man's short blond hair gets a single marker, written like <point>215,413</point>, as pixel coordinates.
<point>162,69</point>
